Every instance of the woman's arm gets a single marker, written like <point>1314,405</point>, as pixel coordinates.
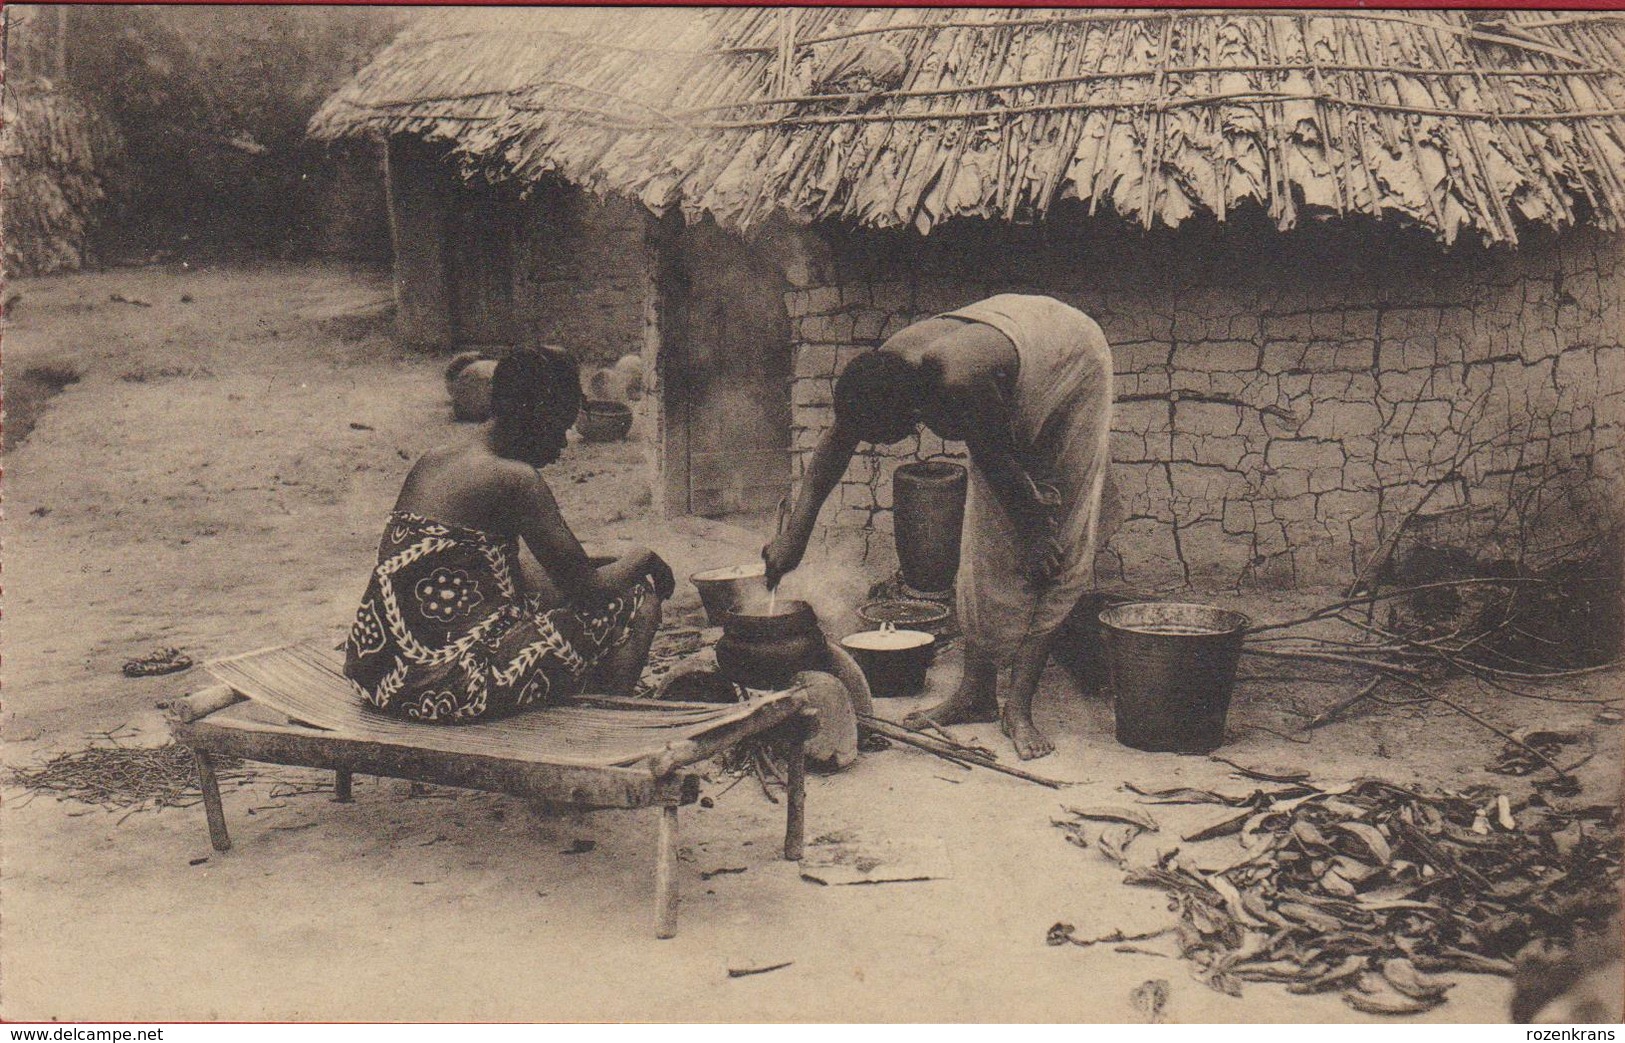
<point>984,418</point>
<point>557,550</point>
<point>980,411</point>
<point>829,462</point>
<point>1026,501</point>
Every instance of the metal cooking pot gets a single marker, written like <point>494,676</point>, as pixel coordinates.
<point>893,661</point>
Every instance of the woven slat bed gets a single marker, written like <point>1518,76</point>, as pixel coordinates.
<point>307,684</point>
<point>292,705</point>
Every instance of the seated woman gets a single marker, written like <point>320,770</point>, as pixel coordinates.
<point>457,623</point>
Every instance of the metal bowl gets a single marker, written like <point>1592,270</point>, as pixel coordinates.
<point>721,589</point>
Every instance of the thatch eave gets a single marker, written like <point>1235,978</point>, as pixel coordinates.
<point>1470,124</point>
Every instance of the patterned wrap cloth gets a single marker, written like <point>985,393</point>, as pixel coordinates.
<point>1061,429</point>
<point>444,634</point>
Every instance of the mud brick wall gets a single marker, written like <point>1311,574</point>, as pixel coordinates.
<point>581,275</point>
<point>1281,398</point>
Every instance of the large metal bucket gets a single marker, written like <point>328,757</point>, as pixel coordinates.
<point>1172,667</point>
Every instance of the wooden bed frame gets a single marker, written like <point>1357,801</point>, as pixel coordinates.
<point>220,722</point>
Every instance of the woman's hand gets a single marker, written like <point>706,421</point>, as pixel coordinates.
<point>661,575</point>
<point>1045,555</point>
<point>781,556</point>
<point>1045,560</point>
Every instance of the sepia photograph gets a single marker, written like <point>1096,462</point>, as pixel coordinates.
<point>806,515</point>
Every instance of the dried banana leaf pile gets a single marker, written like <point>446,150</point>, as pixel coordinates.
<point>1372,889</point>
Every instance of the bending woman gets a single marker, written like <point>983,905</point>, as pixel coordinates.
<point>1026,383</point>
<point>458,624</point>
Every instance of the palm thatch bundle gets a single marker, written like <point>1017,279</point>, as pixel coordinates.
<point>1461,122</point>
<point>54,152</point>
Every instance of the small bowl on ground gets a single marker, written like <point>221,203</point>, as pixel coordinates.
<point>905,614</point>
<point>893,661</point>
<point>602,421</point>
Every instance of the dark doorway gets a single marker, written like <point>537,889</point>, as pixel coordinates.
<point>479,262</point>
<point>726,365</point>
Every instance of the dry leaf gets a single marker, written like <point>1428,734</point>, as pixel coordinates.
<point>1403,975</point>
<point>1114,813</point>
<point>1332,883</point>
<point>1113,841</point>
<point>1372,838</point>
<point>1222,826</point>
<point>1184,795</point>
<point>1389,1003</point>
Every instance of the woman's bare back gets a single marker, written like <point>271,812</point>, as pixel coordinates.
<point>975,369</point>
<point>466,485</point>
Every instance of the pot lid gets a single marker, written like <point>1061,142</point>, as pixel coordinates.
<point>887,640</point>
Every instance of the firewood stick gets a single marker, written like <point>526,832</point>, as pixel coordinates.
<point>899,734</point>
<point>1386,549</point>
<point>1453,655</point>
<point>1398,592</point>
<point>1333,657</point>
<point>1471,716</point>
<point>1338,708</point>
<point>760,771</point>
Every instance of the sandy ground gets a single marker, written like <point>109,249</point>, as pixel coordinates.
<point>216,481</point>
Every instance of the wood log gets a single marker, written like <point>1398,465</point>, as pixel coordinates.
<point>897,733</point>
<point>202,703</point>
<point>795,790</point>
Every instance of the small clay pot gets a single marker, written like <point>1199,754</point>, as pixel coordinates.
<point>604,421</point>
<point>766,650</point>
<point>471,391</point>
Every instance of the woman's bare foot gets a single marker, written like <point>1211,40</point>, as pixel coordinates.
<point>975,701</point>
<point>1030,743</point>
<point>958,708</point>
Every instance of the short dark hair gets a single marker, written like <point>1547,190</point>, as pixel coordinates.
<point>877,396</point>
<point>536,385</point>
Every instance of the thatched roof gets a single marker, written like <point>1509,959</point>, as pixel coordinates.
<point>1463,122</point>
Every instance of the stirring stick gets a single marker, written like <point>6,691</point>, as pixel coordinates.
<point>778,530</point>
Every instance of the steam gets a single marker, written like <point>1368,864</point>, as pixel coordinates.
<point>834,589</point>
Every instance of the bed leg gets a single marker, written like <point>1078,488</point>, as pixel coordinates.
<point>211,801</point>
<point>666,874</point>
<point>341,787</point>
<point>795,787</point>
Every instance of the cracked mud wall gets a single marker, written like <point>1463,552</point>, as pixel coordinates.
<point>1282,399</point>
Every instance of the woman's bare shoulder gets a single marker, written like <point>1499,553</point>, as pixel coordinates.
<point>464,470</point>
